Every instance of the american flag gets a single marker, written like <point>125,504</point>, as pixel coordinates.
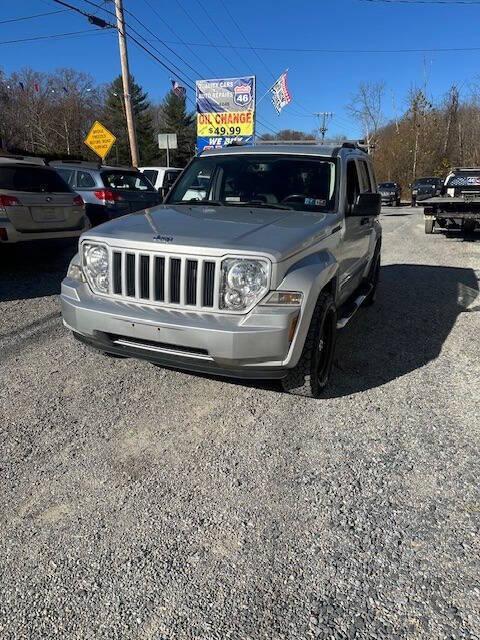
<point>280,93</point>
<point>464,181</point>
<point>178,90</point>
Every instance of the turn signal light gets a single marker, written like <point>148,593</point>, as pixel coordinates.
<point>107,195</point>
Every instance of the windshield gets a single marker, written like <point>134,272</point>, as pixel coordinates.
<point>387,185</point>
<point>464,180</point>
<point>126,181</point>
<point>33,179</point>
<point>434,181</point>
<point>286,182</point>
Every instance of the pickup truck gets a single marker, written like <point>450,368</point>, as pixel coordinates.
<point>255,259</point>
<point>459,207</point>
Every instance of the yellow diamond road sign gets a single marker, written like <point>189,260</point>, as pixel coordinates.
<point>100,140</point>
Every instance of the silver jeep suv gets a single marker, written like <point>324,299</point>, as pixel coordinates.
<point>247,270</point>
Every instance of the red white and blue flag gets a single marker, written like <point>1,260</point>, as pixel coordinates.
<point>280,94</point>
<point>178,90</point>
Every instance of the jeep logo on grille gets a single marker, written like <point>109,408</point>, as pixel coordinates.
<point>161,238</point>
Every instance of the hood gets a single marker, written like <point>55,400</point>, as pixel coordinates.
<point>270,231</point>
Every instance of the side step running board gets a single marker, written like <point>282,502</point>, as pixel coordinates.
<point>352,309</point>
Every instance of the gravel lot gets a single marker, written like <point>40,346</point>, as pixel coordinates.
<point>149,504</point>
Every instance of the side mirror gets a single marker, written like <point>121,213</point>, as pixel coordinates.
<point>367,204</point>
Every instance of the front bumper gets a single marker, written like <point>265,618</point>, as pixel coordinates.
<point>256,345</point>
<point>14,236</point>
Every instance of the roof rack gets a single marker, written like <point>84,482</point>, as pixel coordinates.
<point>22,159</point>
<point>465,169</point>
<point>279,142</point>
<point>344,144</point>
<point>80,163</point>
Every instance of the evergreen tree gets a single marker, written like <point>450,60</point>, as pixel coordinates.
<point>174,118</point>
<point>115,120</point>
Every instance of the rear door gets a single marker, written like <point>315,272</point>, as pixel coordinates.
<point>357,229</point>
<point>44,200</point>
<point>132,188</point>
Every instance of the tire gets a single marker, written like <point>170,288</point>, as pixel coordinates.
<point>311,375</point>
<point>429,224</point>
<point>469,226</point>
<point>373,278</point>
<point>414,203</point>
<point>398,203</point>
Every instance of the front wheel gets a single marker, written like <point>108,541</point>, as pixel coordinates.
<point>429,224</point>
<point>312,373</point>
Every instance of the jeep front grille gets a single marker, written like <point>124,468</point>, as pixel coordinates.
<point>165,279</point>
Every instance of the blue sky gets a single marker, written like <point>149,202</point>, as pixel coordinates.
<point>318,81</point>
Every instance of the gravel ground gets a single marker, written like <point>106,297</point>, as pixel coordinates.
<point>141,503</point>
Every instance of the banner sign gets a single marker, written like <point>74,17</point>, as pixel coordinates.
<point>225,112</point>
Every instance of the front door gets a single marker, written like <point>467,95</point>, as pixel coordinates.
<point>357,230</point>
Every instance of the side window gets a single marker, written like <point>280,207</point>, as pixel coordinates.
<point>365,184</point>
<point>67,175</point>
<point>353,187</point>
<point>84,180</point>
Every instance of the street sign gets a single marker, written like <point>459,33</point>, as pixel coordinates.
<point>167,141</point>
<point>100,140</point>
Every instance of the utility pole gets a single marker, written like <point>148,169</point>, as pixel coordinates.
<point>324,115</point>
<point>122,43</point>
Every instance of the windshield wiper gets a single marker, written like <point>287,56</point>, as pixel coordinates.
<point>259,204</point>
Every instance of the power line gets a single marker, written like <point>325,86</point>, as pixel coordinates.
<point>346,51</point>
<point>36,15</point>
<point>144,48</point>
<point>54,36</point>
<point>172,30</point>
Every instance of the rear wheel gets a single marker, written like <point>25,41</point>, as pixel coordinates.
<point>469,226</point>
<point>429,224</point>
<point>312,373</point>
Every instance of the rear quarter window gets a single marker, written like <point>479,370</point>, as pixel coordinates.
<point>32,179</point>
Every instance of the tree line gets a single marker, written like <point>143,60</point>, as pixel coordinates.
<point>427,139</point>
<point>50,114</point>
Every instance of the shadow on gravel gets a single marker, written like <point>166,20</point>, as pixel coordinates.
<point>34,270</point>
<point>459,235</point>
<point>417,307</point>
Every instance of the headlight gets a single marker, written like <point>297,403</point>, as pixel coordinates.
<point>244,282</point>
<point>415,191</point>
<point>95,260</point>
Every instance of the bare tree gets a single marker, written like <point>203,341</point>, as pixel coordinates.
<point>366,106</point>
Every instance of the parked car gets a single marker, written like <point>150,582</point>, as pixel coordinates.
<point>251,281</point>
<point>424,188</point>
<point>108,192</point>
<point>459,208</point>
<point>36,203</point>
<point>391,193</point>
<point>162,178</point>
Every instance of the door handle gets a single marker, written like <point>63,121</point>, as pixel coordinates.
<point>365,220</point>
